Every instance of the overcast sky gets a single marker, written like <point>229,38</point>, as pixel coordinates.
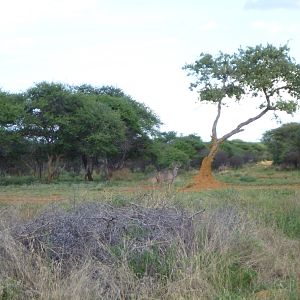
<point>141,46</point>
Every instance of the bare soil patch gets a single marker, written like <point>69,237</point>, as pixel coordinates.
<point>24,199</point>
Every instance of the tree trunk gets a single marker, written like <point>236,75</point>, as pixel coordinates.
<point>50,168</point>
<point>88,175</point>
<point>88,168</point>
<point>53,163</point>
<point>40,170</point>
<point>107,170</point>
<point>205,179</point>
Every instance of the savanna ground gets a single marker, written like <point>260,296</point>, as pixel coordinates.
<point>126,240</point>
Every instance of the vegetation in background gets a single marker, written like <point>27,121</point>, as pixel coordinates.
<point>168,148</point>
<point>284,145</point>
<point>236,153</point>
<point>54,129</point>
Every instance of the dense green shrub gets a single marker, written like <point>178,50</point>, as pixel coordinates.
<point>284,145</point>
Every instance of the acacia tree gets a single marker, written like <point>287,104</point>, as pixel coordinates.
<point>94,132</point>
<point>266,73</point>
<point>47,110</point>
<point>139,123</point>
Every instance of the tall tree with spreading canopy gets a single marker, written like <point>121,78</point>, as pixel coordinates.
<point>266,73</point>
<point>46,120</point>
<point>139,123</point>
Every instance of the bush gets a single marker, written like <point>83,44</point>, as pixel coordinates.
<point>17,180</point>
<point>94,228</point>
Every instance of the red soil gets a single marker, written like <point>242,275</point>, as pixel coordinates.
<point>25,199</point>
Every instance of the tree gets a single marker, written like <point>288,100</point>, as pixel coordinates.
<point>94,132</point>
<point>47,110</point>
<point>266,73</point>
<point>106,90</point>
<point>138,120</point>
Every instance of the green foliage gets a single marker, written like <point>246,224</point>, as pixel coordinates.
<point>51,121</point>
<point>215,77</point>
<point>100,91</point>
<point>12,144</point>
<point>138,123</point>
<point>17,180</point>
<point>11,109</point>
<point>48,106</point>
<point>257,151</point>
<point>168,149</point>
<point>94,129</point>
<point>284,144</point>
<point>152,262</point>
<point>273,71</point>
<point>266,73</point>
<point>236,153</point>
<point>240,278</point>
<point>247,179</point>
<point>10,289</point>
<point>284,216</point>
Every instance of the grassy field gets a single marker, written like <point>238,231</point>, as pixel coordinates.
<point>239,242</point>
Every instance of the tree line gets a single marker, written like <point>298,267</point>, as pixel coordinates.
<point>80,129</point>
<point>53,125</point>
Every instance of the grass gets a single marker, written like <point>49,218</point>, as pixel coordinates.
<point>247,245</point>
<point>261,175</point>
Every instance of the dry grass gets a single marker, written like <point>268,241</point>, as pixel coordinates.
<point>144,253</point>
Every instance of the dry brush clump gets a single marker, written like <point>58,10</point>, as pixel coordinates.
<point>115,248</point>
<point>99,251</point>
<point>98,229</point>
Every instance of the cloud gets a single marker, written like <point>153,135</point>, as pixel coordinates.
<point>272,4</point>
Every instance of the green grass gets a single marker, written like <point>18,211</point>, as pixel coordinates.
<point>260,175</point>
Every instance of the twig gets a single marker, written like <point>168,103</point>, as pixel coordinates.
<point>197,213</point>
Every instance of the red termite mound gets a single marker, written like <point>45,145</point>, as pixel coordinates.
<point>204,179</point>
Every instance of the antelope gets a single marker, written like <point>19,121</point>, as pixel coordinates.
<point>167,176</point>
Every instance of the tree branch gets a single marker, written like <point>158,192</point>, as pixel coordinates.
<point>269,106</point>
<point>280,88</point>
<point>214,128</point>
<point>241,125</point>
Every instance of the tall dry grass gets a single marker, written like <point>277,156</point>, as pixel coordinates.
<point>226,255</point>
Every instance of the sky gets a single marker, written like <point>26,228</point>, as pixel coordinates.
<point>141,46</point>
